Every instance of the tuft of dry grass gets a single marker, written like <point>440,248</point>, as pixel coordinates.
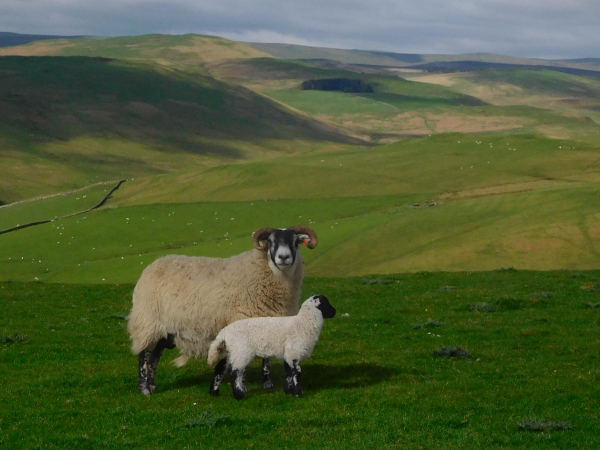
<point>452,352</point>
<point>541,425</point>
<point>429,324</point>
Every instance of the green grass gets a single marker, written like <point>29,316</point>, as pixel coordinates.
<point>426,167</point>
<point>532,207</point>
<point>52,207</point>
<point>373,381</point>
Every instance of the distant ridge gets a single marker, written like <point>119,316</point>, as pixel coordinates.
<point>414,60</point>
<point>11,39</point>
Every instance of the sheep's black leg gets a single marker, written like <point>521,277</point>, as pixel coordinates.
<point>266,374</point>
<point>155,359</point>
<point>238,383</point>
<point>219,374</point>
<point>292,378</point>
<point>143,358</point>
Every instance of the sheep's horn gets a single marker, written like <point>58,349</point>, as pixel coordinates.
<point>260,235</point>
<point>311,233</point>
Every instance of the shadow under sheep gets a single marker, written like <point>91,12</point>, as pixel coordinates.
<point>315,377</point>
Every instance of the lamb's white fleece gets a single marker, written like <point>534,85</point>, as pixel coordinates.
<point>289,338</point>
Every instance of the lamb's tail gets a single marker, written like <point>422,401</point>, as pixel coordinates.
<point>217,348</point>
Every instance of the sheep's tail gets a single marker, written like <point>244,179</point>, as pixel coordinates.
<point>180,362</point>
<point>217,348</point>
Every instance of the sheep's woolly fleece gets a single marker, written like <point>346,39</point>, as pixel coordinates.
<point>193,298</point>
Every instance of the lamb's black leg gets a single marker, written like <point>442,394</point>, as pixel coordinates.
<point>143,358</point>
<point>296,375</point>
<point>238,383</point>
<point>266,374</point>
<point>287,386</point>
<point>155,359</point>
<point>292,378</point>
<point>219,374</point>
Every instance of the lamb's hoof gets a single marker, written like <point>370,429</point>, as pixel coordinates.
<point>239,395</point>
<point>152,388</point>
<point>268,385</point>
<point>214,392</point>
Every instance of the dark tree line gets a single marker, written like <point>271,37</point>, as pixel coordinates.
<point>338,84</point>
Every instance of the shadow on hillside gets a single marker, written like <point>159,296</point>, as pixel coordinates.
<point>61,98</point>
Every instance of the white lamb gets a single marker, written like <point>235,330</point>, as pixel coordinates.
<point>289,338</point>
<point>181,301</point>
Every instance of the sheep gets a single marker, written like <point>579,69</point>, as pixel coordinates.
<point>181,301</point>
<point>289,338</point>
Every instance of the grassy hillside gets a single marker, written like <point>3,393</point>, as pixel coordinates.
<point>166,49</point>
<point>373,378</point>
<point>565,94</point>
<point>175,115</point>
<point>400,108</point>
<point>478,202</point>
<point>76,120</point>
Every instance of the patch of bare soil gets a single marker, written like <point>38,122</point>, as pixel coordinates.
<point>405,124</point>
<point>446,123</point>
<point>441,79</point>
<point>515,188</point>
<point>211,50</point>
<point>40,48</point>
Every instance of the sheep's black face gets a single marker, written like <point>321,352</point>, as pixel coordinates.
<point>283,247</point>
<point>324,306</point>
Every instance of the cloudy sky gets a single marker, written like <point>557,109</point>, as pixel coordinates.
<point>528,28</point>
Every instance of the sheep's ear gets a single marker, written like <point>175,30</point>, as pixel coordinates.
<point>305,238</point>
<point>260,236</point>
<point>312,240</point>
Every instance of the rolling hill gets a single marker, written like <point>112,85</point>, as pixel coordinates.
<point>460,171</point>
<point>438,62</point>
<point>71,121</point>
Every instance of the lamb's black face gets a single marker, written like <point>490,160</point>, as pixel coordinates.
<point>324,306</point>
<point>283,247</point>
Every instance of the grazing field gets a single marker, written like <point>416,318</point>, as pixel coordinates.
<point>373,382</point>
<point>450,202</point>
<point>446,192</point>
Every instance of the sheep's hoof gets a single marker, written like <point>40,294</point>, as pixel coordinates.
<point>152,388</point>
<point>268,385</point>
<point>145,391</point>
<point>214,392</point>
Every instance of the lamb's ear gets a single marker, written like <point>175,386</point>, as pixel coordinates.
<point>307,235</point>
<point>260,236</point>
